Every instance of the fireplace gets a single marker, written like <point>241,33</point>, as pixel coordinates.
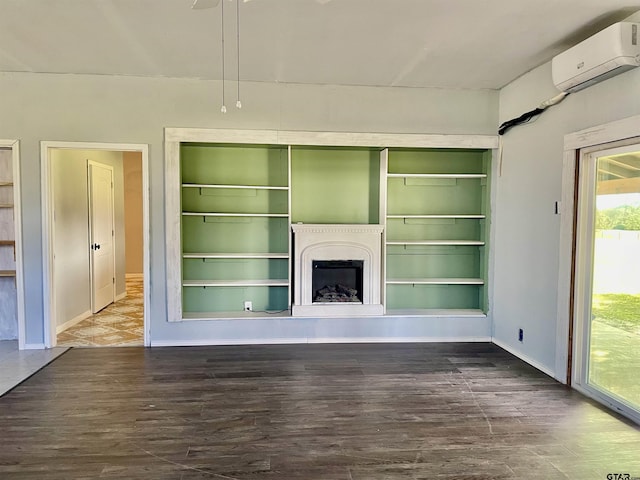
<point>336,281</point>
<point>337,270</point>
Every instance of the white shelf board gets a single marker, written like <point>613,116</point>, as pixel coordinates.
<point>435,281</point>
<point>432,312</point>
<point>212,214</point>
<point>239,187</point>
<point>236,283</point>
<point>275,314</point>
<point>435,242</point>
<point>236,255</point>
<point>437,175</point>
<point>436,216</point>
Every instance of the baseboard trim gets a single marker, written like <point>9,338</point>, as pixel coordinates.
<point>399,339</point>
<point>524,358</point>
<point>120,297</point>
<point>287,341</point>
<point>74,321</point>
<point>34,346</point>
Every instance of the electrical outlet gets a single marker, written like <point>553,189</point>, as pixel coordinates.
<point>520,335</point>
<point>248,306</point>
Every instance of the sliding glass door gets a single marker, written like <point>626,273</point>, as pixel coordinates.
<point>608,278</point>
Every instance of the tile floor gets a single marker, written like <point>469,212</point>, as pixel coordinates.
<point>18,365</point>
<point>120,324</point>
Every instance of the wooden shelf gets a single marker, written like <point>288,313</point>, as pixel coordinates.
<point>435,242</point>
<point>435,281</point>
<point>437,175</point>
<point>237,255</point>
<point>211,214</point>
<point>7,243</point>
<point>273,314</point>
<point>236,283</point>
<point>6,184</point>
<point>431,312</point>
<point>7,273</point>
<point>437,216</point>
<point>240,187</point>
<point>6,205</point>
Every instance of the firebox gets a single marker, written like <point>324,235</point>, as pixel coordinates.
<point>337,281</point>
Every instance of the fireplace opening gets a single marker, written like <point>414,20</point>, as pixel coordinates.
<point>337,281</point>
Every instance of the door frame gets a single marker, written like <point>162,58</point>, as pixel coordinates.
<point>48,284</point>
<point>113,223</point>
<point>14,145</point>
<point>567,344</point>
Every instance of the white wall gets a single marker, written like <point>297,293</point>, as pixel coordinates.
<point>37,107</point>
<point>71,228</point>
<point>527,230</point>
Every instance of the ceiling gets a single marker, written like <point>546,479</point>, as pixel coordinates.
<point>473,44</point>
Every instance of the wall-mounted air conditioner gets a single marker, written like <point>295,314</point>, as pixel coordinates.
<point>604,55</point>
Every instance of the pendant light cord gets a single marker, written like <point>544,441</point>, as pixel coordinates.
<point>223,109</point>
<point>238,103</point>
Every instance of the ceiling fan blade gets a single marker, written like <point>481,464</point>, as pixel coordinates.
<point>202,4</point>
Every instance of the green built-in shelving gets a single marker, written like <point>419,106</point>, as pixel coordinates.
<point>235,229</point>
<point>436,236</point>
<point>237,201</point>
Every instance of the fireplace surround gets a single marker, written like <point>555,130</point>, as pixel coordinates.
<point>340,244</point>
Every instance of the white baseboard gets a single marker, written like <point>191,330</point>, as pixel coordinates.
<point>34,346</point>
<point>524,358</point>
<point>287,341</point>
<point>120,297</point>
<point>398,339</point>
<point>74,321</point>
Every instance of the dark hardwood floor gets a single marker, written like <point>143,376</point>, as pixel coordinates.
<point>334,412</point>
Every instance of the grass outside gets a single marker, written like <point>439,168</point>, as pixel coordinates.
<point>618,310</point>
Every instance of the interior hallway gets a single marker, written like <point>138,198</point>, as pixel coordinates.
<point>118,325</point>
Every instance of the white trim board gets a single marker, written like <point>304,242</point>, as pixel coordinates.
<point>309,340</point>
<point>619,130</point>
<point>48,286</point>
<point>336,139</point>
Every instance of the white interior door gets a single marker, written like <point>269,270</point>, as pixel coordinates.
<point>101,235</point>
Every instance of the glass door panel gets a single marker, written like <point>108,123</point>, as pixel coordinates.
<point>613,326</point>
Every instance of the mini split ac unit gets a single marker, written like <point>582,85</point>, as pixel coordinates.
<point>610,52</point>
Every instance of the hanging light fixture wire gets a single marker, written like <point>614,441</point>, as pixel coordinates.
<point>223,109</point>
<point>238,102</point>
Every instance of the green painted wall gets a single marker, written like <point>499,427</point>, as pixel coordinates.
<point>335,185</point>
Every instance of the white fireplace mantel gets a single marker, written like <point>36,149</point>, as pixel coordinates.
<point>337,242</point>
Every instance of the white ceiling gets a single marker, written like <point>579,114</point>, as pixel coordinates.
<point>415,43</point>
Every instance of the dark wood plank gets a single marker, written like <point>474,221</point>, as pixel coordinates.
<point>334,412</point>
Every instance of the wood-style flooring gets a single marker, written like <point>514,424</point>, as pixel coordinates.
<point>305,412</point>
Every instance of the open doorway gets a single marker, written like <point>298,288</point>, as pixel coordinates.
<point>96,249</point>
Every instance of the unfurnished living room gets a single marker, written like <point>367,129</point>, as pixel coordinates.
<point>320,239</point>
